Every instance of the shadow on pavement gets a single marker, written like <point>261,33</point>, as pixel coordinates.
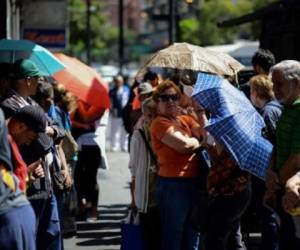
<point>106,230</point>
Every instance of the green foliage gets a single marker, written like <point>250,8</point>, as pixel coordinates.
<point>189,31</point>
<point>104,37</point>
<point>203,30</point>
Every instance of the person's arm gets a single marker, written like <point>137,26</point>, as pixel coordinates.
<point>54,130</point>
<point>292,165</point>
<point>272,183</point>
<point>35,170</point>
<point>289,168</point>
<point>64,166</point>
<point>291,199</point>
<point>89,114</point>
<point>77,124</point>
<point>272,179</point>
<point>179,142</point>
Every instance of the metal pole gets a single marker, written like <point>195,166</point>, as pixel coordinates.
<point>88,31</point>
<point>171,21</point>
<point>121,36</point>
<point>177,21</point>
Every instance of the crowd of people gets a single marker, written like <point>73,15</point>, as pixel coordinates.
<point>171,175</point>
<point>51,147</point>
<point>53,144</point>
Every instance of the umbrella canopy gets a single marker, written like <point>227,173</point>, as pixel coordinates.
<point>185,56</point>
<point>234,123</point>
<point>83,81</point>
<point>12,50</point>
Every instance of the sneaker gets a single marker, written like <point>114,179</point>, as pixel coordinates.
<point>92,215</point>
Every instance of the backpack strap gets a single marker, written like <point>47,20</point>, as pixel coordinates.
<point>153,157</point>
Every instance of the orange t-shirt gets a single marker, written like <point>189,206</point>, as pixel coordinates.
<point>172,163</point>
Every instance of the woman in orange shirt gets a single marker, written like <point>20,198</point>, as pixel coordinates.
<point>174,141</point>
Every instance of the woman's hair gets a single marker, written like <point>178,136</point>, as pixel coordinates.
<point>263,86</point>
<point>64,98</point>
<point>148,104</point>
<point>167,84</point>
<point>44,91</point>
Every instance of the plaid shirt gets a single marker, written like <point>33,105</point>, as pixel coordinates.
<point>225,177</point>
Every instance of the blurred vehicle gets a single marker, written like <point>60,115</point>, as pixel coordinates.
<point>108,72</point>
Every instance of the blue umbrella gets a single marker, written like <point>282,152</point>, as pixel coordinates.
<point>12,50</point>
<point>234,123</point>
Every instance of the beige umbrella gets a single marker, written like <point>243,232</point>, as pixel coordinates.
<point>185,56</point>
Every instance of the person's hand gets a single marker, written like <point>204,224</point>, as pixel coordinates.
<point>272,181</point>
<point>50,131</point>
<point>133,206</point>
<point>36,170</point>
<point>291,199</point>
<point>67,179</point>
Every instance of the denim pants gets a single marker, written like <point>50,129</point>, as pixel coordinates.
<point>48,228</point>
<point>225,216</point>
<point>175,197</point>
<point>17,229</point>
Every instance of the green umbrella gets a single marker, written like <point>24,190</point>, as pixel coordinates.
<point>12,50</point>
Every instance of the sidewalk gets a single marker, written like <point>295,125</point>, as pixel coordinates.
<point>104,234</point>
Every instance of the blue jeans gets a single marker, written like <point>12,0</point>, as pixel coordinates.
<point>175,197</point>
<point>225,215</point>
<point>17,229</point>
<point>48,228</point>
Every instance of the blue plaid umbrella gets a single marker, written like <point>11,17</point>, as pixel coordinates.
<point>12,50</point>
<point>234,123</point>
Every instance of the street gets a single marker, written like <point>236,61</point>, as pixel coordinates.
<point>113,202</point>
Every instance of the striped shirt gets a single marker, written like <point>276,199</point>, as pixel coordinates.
<point>288,134</point>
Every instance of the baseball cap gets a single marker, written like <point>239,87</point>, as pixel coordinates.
<point>23,68</point>
<point>145,88</point>
<point>34,117</point>
<point>37,149</point>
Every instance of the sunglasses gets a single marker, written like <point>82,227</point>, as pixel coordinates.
<point>166,98</point>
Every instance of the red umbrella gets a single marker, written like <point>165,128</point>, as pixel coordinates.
<point>83,81</point>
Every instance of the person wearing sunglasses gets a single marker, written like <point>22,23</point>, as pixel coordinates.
<point>175,141</point>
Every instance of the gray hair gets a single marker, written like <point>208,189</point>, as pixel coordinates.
<point>148,104</point>
<point>290,70</point>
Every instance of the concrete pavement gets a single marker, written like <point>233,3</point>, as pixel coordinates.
<point>114,198</point>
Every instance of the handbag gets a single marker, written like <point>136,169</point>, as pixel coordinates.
<point>132,237</point>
